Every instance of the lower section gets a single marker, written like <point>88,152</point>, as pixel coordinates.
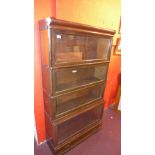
<point>66,132</point>
<point>77,124</point>
<point>67,145</point>
<point>74,123</point>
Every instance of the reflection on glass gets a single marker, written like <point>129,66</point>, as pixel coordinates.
<point>69,48</point>
<point>74,48</point>
<point>73,100</point>
<point>75,77</point>
<point>70,127</point>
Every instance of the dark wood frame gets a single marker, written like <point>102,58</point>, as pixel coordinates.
<point>116,50</point>
<point>119,31</point>
<point>48,27</point>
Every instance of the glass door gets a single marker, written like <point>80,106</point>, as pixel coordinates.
<point>74,77</point>
<point>73,47</point>
<point>78,123</point>
<point>76,99</point>
<point>69,47</point>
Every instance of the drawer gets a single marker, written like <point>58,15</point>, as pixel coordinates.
<point>62,104</point>
<point>77,124</point>
<point>70,78</point>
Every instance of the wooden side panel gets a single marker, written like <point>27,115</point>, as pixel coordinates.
<point>48,104</point>
<point>47,83</point>
<point>51,130</point>
<point>45,47</point>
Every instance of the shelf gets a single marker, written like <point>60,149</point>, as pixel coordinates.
<point>75,103</point>
<point>76,84</point>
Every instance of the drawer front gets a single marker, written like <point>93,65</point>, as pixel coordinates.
<point>70,101</point>
<point>70,78</point>
<point>76,124</point>
<point>71,47</point>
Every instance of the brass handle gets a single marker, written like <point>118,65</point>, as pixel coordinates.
<point>74,71</point>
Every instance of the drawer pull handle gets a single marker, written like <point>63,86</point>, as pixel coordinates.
<point>74,71</point>
<point>58,36</point>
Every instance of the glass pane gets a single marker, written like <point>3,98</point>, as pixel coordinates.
<point>76,124</point>
<point>77,76</point>
<point>97,48</point>
<point>73,100</point>
<point>69,48</point>
<point>77,48</point>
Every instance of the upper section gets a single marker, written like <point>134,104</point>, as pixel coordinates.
<point>51,22</point>
<point>66,43</point>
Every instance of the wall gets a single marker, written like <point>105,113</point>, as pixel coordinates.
<point>112,80</point>
<point>42,9</point>
<point>99,13</point>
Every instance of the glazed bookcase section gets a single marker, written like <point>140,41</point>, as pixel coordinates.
<point>61,80</point>
<point>72,48</point>
<point>77,77</point>
<point>62,44</point>
<point>61,105</point>
<point>72,126</point>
